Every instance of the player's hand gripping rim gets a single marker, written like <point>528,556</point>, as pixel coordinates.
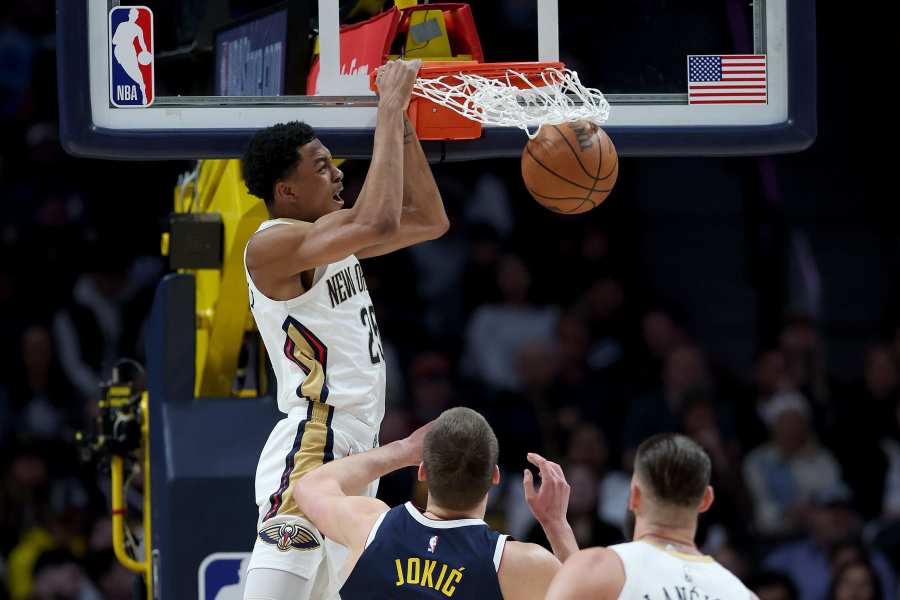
<point>394,82</point>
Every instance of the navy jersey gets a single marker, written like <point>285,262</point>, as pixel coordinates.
<point>410,556</point>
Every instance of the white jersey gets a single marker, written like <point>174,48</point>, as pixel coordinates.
<point>324,344</point>
<point>656,573</point>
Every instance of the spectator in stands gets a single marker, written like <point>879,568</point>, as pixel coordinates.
<point>104,318</point>
<point>430,386</point>
<point>830,522</point>
<point>890,507</point>
<point>785,472</point>
<point>529,420</point>
<point>845,552</point>
<point>39,390</point>
<point>769,377</point>
<point>587,392</point>
<point>685,372</point>
<point>58,576</point>
<point>603,307</point>
<point>805,361</point>
<point>660,335</point>
<point>881,375</point>
<point>24,483</point>
<point>871,408</point>
<point>588,447</point>
<point>700,420</point>
<point>497,332</point>
<point>855,581</point>
<point>62,528</point>
<point>113,581</point>
<point>895,346</point>
<point>479,282</point>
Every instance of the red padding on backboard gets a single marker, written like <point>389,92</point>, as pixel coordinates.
<point>369,42</point>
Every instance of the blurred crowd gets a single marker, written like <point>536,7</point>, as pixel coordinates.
<point>552,327</point>
<point>806,467</point>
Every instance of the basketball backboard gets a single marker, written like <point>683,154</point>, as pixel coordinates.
<point>224,68</point>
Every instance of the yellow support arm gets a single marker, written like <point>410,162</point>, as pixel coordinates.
<point>120,511</point>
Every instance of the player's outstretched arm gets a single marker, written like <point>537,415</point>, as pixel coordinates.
<point>423,216</point>
<point>329,495</point>
<point>592,574</point>
<point>549,505</point>
<point>286,250</point>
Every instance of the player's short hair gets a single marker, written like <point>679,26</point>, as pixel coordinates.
<point>271,155</point>
<point>460,453</point>
<point>675,467</point>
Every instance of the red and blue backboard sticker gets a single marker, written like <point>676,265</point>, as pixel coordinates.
<point>131,57</point>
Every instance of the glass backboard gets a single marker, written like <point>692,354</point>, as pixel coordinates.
<point>224,68</point>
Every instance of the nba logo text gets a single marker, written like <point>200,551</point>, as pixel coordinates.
<point>131,57</point>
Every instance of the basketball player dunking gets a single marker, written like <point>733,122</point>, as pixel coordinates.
<point>669,489</point>
<point>312,308</point>
<point>447,551</point>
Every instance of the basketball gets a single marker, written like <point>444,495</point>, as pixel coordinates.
<point>570,168</point>
<point>144,58</point>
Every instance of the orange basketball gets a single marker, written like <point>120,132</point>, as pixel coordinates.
<point>570,168</point>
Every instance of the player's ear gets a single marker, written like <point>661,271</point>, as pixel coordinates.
<point>283,189</point>
<point>708,497</point>
<point>495,477</point>
<point>422,474</point>
<point>634,497</point>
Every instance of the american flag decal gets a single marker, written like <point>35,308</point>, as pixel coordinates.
<point>727,79</point>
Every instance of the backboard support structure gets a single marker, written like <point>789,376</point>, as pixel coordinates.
<point>641,123</point>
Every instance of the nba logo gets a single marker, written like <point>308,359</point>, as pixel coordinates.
<point>131,56</point>
<point>222,576</point>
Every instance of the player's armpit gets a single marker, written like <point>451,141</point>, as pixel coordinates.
<point>345,519</point>
<point>285,250</point>
<point>595,574</point>
<point>526,571</point>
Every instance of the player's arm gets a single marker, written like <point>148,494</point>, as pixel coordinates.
<point>549,505</point>
<point>423,216</point>
<point>593,574</point>
<point>330,495</point>
<point>290,249</point>
<point>526,571</point>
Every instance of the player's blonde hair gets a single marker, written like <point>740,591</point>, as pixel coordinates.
<point>460,453</point>
<point>675,467</point>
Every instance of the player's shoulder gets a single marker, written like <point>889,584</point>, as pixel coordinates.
<point>594,573</point>
<point>526,570</point>
<point>270,234</point>
<point>524,555</point>
<point>595,557</point>
<point>272,226</point>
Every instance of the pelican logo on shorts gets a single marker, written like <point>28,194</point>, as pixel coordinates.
<point>285,536</point>
<point>131,71</point>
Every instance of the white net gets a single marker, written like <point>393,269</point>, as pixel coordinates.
<point>551,97</point>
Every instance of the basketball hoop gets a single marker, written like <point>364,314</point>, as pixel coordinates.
<point>526,95</point>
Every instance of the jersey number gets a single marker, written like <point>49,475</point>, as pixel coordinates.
<point>367,316</point>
